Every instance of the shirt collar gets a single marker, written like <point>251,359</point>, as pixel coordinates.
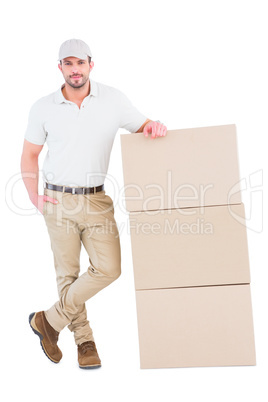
<point>59,98</point>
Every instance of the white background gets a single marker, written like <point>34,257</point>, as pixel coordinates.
<point>186,63</point>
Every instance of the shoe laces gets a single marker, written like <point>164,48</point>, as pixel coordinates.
<point>89,345</point>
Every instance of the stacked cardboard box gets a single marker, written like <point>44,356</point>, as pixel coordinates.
<point>189,248</point>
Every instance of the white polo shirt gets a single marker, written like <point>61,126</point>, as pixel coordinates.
<point>80,140</point>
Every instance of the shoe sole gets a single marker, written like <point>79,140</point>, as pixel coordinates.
<point>93,366</point>
<point>35,330</point>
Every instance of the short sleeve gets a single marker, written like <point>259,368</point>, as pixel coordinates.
<point>35,132</point>
<point>130,117</point>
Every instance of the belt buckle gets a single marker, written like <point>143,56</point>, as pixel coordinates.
<point>94,190</point>
<point>84,191</point>
<point>73,190</point>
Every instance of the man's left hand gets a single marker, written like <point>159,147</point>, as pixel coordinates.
<point>155,128</point>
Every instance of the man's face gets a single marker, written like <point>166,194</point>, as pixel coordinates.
<point>75,71</point>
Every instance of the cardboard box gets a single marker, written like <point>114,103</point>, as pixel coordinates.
<point>189,247</point>
<point>186,168</point>
<point>193,327</point>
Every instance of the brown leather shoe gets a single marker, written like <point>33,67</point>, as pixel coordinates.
<point>88,356</point>
<point>48,336</point>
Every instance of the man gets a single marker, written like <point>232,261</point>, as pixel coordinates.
<point>79,123</point>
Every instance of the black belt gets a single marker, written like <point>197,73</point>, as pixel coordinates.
<point>74,190</point>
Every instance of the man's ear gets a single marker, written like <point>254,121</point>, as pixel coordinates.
<point>60,67</point>
<point>91,65</point>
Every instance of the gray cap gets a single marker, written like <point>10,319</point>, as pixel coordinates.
<point>74,48</point>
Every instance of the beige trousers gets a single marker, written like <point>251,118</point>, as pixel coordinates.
<point>81,219</point>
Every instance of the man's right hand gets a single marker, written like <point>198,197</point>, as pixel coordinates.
<point>39,200</point>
